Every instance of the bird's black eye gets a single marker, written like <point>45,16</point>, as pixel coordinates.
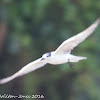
<point>48,54</point>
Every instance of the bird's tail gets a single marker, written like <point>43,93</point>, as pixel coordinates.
<point>77,58</point>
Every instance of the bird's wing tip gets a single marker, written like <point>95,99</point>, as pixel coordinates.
<point>1,82</point>
<point>98,20</point>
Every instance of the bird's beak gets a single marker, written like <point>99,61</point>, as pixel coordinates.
<point>42,58</point>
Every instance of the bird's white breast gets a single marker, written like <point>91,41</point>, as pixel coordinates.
<point>58,59</point>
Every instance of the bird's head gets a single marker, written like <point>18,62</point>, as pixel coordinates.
<point>46,55</point>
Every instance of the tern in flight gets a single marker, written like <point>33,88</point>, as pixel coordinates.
<point>60,56</point>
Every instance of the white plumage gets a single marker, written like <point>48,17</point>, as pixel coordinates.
<point>59,56</point>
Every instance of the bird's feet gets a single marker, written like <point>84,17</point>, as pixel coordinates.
<point>70,64</point>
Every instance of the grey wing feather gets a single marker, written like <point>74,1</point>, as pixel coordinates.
<point>72,42</point>
<point>25,70</point>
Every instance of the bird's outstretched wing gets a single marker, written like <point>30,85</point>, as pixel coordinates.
<point>72,42</point>
<point>25,70</point>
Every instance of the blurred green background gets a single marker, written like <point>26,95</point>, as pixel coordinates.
<point>29,28</point>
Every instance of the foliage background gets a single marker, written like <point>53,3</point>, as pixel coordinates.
<point>29,28</point>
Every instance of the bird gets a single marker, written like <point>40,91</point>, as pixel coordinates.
<point>60,56</point>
